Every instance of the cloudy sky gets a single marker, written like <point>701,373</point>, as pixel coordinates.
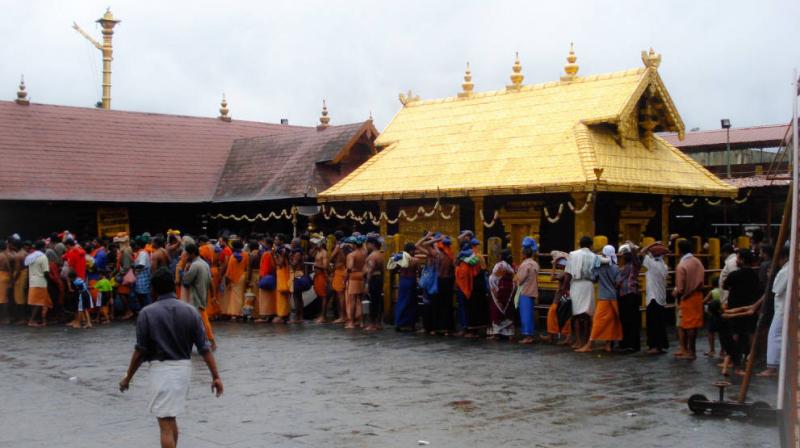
<point>279,59</point>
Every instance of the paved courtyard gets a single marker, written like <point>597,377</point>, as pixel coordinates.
<point>323,387</point>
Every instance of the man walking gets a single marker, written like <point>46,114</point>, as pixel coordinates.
<point>165,333</point>
<point>197,281</point>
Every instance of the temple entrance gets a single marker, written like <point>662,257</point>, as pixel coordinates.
<point>521,219</point>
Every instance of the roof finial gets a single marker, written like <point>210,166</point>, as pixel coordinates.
<point>651,59</point>
<point>223,109</point>
<point>22,93</point>
<point>370,115</point>
<point>570,68</point>
<point>516,75</point>
<point>467,85</point>
<point>324,119</point>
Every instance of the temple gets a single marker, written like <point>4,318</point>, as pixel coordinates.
<point>577,156</point>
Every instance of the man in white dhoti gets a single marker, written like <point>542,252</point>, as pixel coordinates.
<point>582,269</point>
<point>165,334</point>
<point>775,337</point>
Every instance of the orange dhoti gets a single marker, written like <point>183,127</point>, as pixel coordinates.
<point>5,284</point>
<point>265,305</point>
<point>233,300</point>
<point>20,287</point>
<point>552,320</point>
<point>691,309</point>
<point>355,289</point>
<point>38,296</point>
<point>213,308</point>
<point>339,277</point>
<point>321,283</point>
<point>284,291</point>
<point>605,323</point>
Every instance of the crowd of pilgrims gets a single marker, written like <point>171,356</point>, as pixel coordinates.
<point>444,280</point>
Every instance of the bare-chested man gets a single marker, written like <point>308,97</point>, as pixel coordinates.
<point>320,254</point>
<point>355,262</point>
<point>338,258</point>
<point>6,273</point>
<point>374,273</point>
<point>21,251</point>
<point>437,248</point>
<point>159,258</point>
<point>297,267</point>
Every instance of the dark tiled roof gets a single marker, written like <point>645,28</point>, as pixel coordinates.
<point>59,153</point>
<point>283,166</point>
<point>741,138</point>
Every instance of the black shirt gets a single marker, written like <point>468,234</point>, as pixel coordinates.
<point>167,329</point>
<point>744,287</point>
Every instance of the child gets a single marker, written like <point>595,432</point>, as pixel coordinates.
<point>714,314</point>
<point>84,299</point>
<point>103,289</point>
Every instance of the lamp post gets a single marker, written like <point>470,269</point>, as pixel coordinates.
<point>726,124</point>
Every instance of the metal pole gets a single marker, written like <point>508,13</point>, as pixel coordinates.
<point>728,149</point>
<point>787,377</point>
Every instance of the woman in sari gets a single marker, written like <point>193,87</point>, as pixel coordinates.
<point>235,281</point>
<point>527,280</point>
<point>501,307</point>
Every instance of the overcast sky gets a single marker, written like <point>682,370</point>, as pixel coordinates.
<point>277,60</point>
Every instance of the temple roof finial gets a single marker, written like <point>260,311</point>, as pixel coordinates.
<point>516,75</point>
<point>223,109</point>
<point>22,93</point>
<point>651,59</point>
<point>324,119</point>
<point>467,86</point>
<point>570,68</point>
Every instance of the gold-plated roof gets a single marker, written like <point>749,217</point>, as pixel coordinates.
<point>542,138</point>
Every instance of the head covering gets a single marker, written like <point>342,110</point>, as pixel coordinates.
<point>559,258</point>
<point>610,253</point>
<point>175,232</point>
<point>447,241</point>
<point>360,239</point>
<point>349,240</point>
<point>624,249</point>
<point>530,243</point>
<point>317,239</point>
<point>475,242</point>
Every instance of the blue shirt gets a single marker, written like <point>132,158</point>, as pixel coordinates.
<point>167,330</point>
<point>607,281</point>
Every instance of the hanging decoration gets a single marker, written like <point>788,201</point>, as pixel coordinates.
<point>555,219</point>
<point>582,209</point>
<point>284,214</point>
<point>712,202</point>
<point>329,212</point>
<point>490,224</point>
<point>744,199</point>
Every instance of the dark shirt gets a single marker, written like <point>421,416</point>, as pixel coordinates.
<point>167,329</point>
<point>743,287</point>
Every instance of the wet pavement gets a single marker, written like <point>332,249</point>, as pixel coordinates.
<point>323,387</point>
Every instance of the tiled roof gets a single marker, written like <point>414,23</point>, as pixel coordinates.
<point>60,153</point>
<point>759,181</point>
<point>543,138</point>
<point>741,138</point>
<point>289,165</point>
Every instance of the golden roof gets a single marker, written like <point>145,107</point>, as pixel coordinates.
<point>543,138</point>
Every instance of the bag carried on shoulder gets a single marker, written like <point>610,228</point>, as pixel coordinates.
<point>429,280</point>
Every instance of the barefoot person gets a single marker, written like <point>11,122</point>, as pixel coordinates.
<point>527,280</point>
<point>338,258</point>
<point>320,254</point>
<point>606,324</point>
<point>743,291</point>
<point>355,262</point>
<point>581,270</point>
<point>656,298</point>
<point>165,333</point>
<point>373,270</point>
<point>775,335</point>
<point>197,281</point>
<point>38,297</point>
<point>689,296</point>
<point>6,272</point>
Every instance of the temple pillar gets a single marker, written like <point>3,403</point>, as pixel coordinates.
<point>477,202</point>
<point>713,253</point>
<point>665,202</point>
<point>584,222</point>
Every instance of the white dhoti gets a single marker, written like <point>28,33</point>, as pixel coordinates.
<point>169,386</point>
<point>582,294</point>
<point>774,339</point>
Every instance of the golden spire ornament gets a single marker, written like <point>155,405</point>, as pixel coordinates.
<point>570,68</point>
<point>516,75</point>
<point>223,109</point>
<point>651,59</point>
<point>467,86</point>
<point>324,119</point>
<point>22,93</point>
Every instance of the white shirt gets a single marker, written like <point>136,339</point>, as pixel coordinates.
<point>37,272</point>
<point>730,266</point>
<point>143,259</point>
<point>656,277</point>
<point>581,288</point>
<point>779,287</point>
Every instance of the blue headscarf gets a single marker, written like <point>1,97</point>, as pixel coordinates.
<point>530,243</point>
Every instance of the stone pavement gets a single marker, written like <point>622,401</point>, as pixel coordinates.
<point>319,386</point>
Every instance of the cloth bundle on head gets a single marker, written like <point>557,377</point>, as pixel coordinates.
<point>175,232</point>
<point>350,240</point>
<point>145,238</point>
<point>317,239</point>
<point>610,253</point>
<point>625,249</point>
<point>360,239</point>
<point>399,260</point>
<point>187,240</point>
<point>559,258</point>
<point>121,237</point>
<point>530,243</point>
<point>475,242</point>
